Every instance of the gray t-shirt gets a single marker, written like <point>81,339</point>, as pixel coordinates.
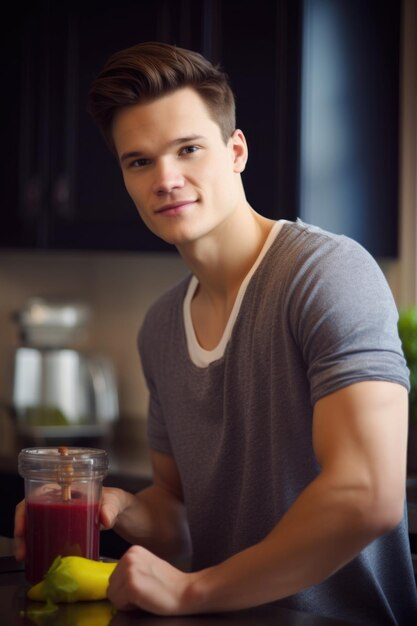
<point>317,315</point>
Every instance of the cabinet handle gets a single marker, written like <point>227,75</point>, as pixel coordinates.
<point>60,197</point>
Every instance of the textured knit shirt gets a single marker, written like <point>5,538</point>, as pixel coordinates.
<point>315,316</point>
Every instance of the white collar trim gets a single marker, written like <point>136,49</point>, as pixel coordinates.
<point>198,355</point>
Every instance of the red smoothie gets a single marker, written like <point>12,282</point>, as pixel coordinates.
<point>59,528</point>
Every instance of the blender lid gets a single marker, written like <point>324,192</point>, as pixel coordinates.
<point>52,324</point>
<point>43,461</point>
<point>40,312</point>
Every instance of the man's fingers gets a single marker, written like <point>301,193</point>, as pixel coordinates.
<point>109,511</point>
<point>112,504</point>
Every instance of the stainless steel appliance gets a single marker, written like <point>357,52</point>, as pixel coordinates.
<point>59,391</point>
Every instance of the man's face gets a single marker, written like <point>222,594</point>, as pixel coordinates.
<point>183,179</point>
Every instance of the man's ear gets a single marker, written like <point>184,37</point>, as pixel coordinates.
<point>240,150</point>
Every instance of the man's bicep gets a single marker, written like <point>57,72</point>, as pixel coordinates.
<point>360,434</point>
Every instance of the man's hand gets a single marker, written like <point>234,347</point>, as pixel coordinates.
<point>143,580</point>
<point>113,503</point>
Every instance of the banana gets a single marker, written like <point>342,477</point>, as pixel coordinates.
<point>73,579</point>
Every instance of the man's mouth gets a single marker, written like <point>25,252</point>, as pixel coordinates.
<point>173,208</point>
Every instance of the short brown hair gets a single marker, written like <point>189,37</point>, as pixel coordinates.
<point>150,70</point>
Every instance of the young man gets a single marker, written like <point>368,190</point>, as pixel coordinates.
<point>278,389</point>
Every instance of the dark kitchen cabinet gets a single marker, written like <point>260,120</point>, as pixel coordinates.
<point>60,186</point>
<point>260,50</point>
<point>317,90</point>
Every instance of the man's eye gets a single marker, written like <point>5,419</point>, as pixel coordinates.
<point>189,149</point>
<point>137,163</point>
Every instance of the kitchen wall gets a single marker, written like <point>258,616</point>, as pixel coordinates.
<point>119,288</point>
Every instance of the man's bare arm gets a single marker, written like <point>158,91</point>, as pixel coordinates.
<point>155,517</point>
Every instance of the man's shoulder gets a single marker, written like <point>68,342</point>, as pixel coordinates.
<point>308,236</point>
<point>309,247</point>
<point>306,260</point>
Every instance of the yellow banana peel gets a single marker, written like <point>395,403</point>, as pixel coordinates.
<point>73,579</point>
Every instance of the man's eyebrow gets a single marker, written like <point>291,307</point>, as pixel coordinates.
<point>185,139</point>
<point>138,154</point>
<point>135,154</point>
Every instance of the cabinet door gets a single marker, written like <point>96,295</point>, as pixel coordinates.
<point>90,207</point>
<point>23,142</point>
<point>60,187</point>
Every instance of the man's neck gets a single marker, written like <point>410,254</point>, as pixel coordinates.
<point>222,259</point>
<point>220,263</point>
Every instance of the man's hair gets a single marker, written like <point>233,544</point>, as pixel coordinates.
<point>147,71</point>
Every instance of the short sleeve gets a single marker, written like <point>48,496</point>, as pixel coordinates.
<point>343,317</point>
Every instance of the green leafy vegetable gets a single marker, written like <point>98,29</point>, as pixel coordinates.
<point>407,328</point>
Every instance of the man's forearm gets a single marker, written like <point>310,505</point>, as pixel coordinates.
<point>321,532</point>
<point>156,520</point>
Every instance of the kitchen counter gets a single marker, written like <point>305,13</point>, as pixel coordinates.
<point>16,610</point>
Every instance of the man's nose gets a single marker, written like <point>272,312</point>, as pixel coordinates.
<point>168,176</point>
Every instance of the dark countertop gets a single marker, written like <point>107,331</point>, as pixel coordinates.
<point>16,610</point>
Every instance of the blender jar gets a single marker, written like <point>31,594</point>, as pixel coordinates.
<point>62,495</point>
